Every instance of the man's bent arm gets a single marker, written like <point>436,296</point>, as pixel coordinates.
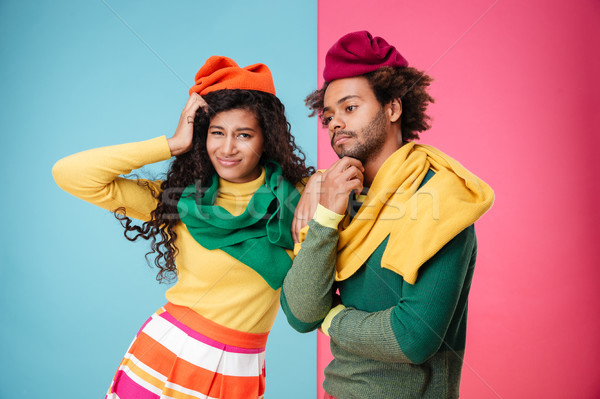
<point>414,329</point>
<point>306,295</point>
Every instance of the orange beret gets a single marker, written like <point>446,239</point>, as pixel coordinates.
<point>220,73</point>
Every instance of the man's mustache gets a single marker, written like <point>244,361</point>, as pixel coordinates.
<point>346,133</point>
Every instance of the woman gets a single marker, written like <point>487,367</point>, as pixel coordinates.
<point>220,223</point>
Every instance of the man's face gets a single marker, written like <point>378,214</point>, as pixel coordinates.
<point>356,120</point>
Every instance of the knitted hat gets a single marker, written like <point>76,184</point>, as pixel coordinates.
<point>358,53</point>
<point>220,73</point>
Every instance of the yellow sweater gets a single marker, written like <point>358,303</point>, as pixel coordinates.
<point>212,283</point>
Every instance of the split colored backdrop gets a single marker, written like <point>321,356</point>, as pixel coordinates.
<point>516,91</point>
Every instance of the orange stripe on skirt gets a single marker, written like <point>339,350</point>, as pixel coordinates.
<point>216,331</point>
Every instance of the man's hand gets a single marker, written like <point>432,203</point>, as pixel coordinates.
<point>307,205</point>
<point>342,178</point>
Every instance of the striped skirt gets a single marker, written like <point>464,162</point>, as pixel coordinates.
<point>180,354</point>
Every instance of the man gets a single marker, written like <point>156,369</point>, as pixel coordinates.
<point>393,233</point>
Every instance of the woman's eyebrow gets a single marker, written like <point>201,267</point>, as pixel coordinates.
<point>238,129</point>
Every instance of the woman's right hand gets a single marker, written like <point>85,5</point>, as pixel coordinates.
<point>181,141</point>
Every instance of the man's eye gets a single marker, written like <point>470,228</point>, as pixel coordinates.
<point>326,120</point>
<point>350,108</point>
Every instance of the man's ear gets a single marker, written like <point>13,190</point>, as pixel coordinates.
<point>394,109</point>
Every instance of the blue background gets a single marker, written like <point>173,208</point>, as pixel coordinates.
<point>77,75</point>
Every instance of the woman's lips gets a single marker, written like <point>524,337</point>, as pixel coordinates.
<point>228,162</point>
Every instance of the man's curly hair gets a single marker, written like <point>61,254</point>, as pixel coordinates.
<point>408,84</point>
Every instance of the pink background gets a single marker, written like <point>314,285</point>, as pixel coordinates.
<point>516,88</point>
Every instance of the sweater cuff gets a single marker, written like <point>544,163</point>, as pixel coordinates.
<point>159,147</point>
<point>327,322</point>
<point>327,218</point>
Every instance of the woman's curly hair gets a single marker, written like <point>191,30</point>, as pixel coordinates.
<point>409,84</point>
<point>194,167</point>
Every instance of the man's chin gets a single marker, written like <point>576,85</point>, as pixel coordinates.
<point>349,155</point>
<point>341,153</point>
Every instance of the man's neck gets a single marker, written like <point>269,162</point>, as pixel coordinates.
<point>373,165</point>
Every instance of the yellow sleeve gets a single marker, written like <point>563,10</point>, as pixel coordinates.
<point>327,321</point>
<point>327,218</point>
<point>93,176</point>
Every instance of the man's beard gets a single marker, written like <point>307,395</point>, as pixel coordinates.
<point>369,141</point>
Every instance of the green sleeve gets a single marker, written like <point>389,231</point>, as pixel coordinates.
<point>414,329</point>
<point>306,295</point>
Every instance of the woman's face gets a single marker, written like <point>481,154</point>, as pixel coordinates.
<point>235,145</point>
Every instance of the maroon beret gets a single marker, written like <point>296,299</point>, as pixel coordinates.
<point>358,53</point>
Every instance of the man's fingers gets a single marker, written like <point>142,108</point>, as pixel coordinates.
<point>352,173</point>
<point>344,168</point>
<point>347,162</point>
<point>356,186</point>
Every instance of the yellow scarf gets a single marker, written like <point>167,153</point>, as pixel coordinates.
<point>419,221</point>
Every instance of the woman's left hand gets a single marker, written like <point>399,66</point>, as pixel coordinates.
<point>307,205</point>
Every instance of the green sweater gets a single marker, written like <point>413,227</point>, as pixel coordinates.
<point>394,339</point>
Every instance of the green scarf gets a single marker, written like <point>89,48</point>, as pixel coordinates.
<point>258,237</point>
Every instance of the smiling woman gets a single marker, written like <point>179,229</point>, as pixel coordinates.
<point>235,145</point>
<point>219,224</point>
